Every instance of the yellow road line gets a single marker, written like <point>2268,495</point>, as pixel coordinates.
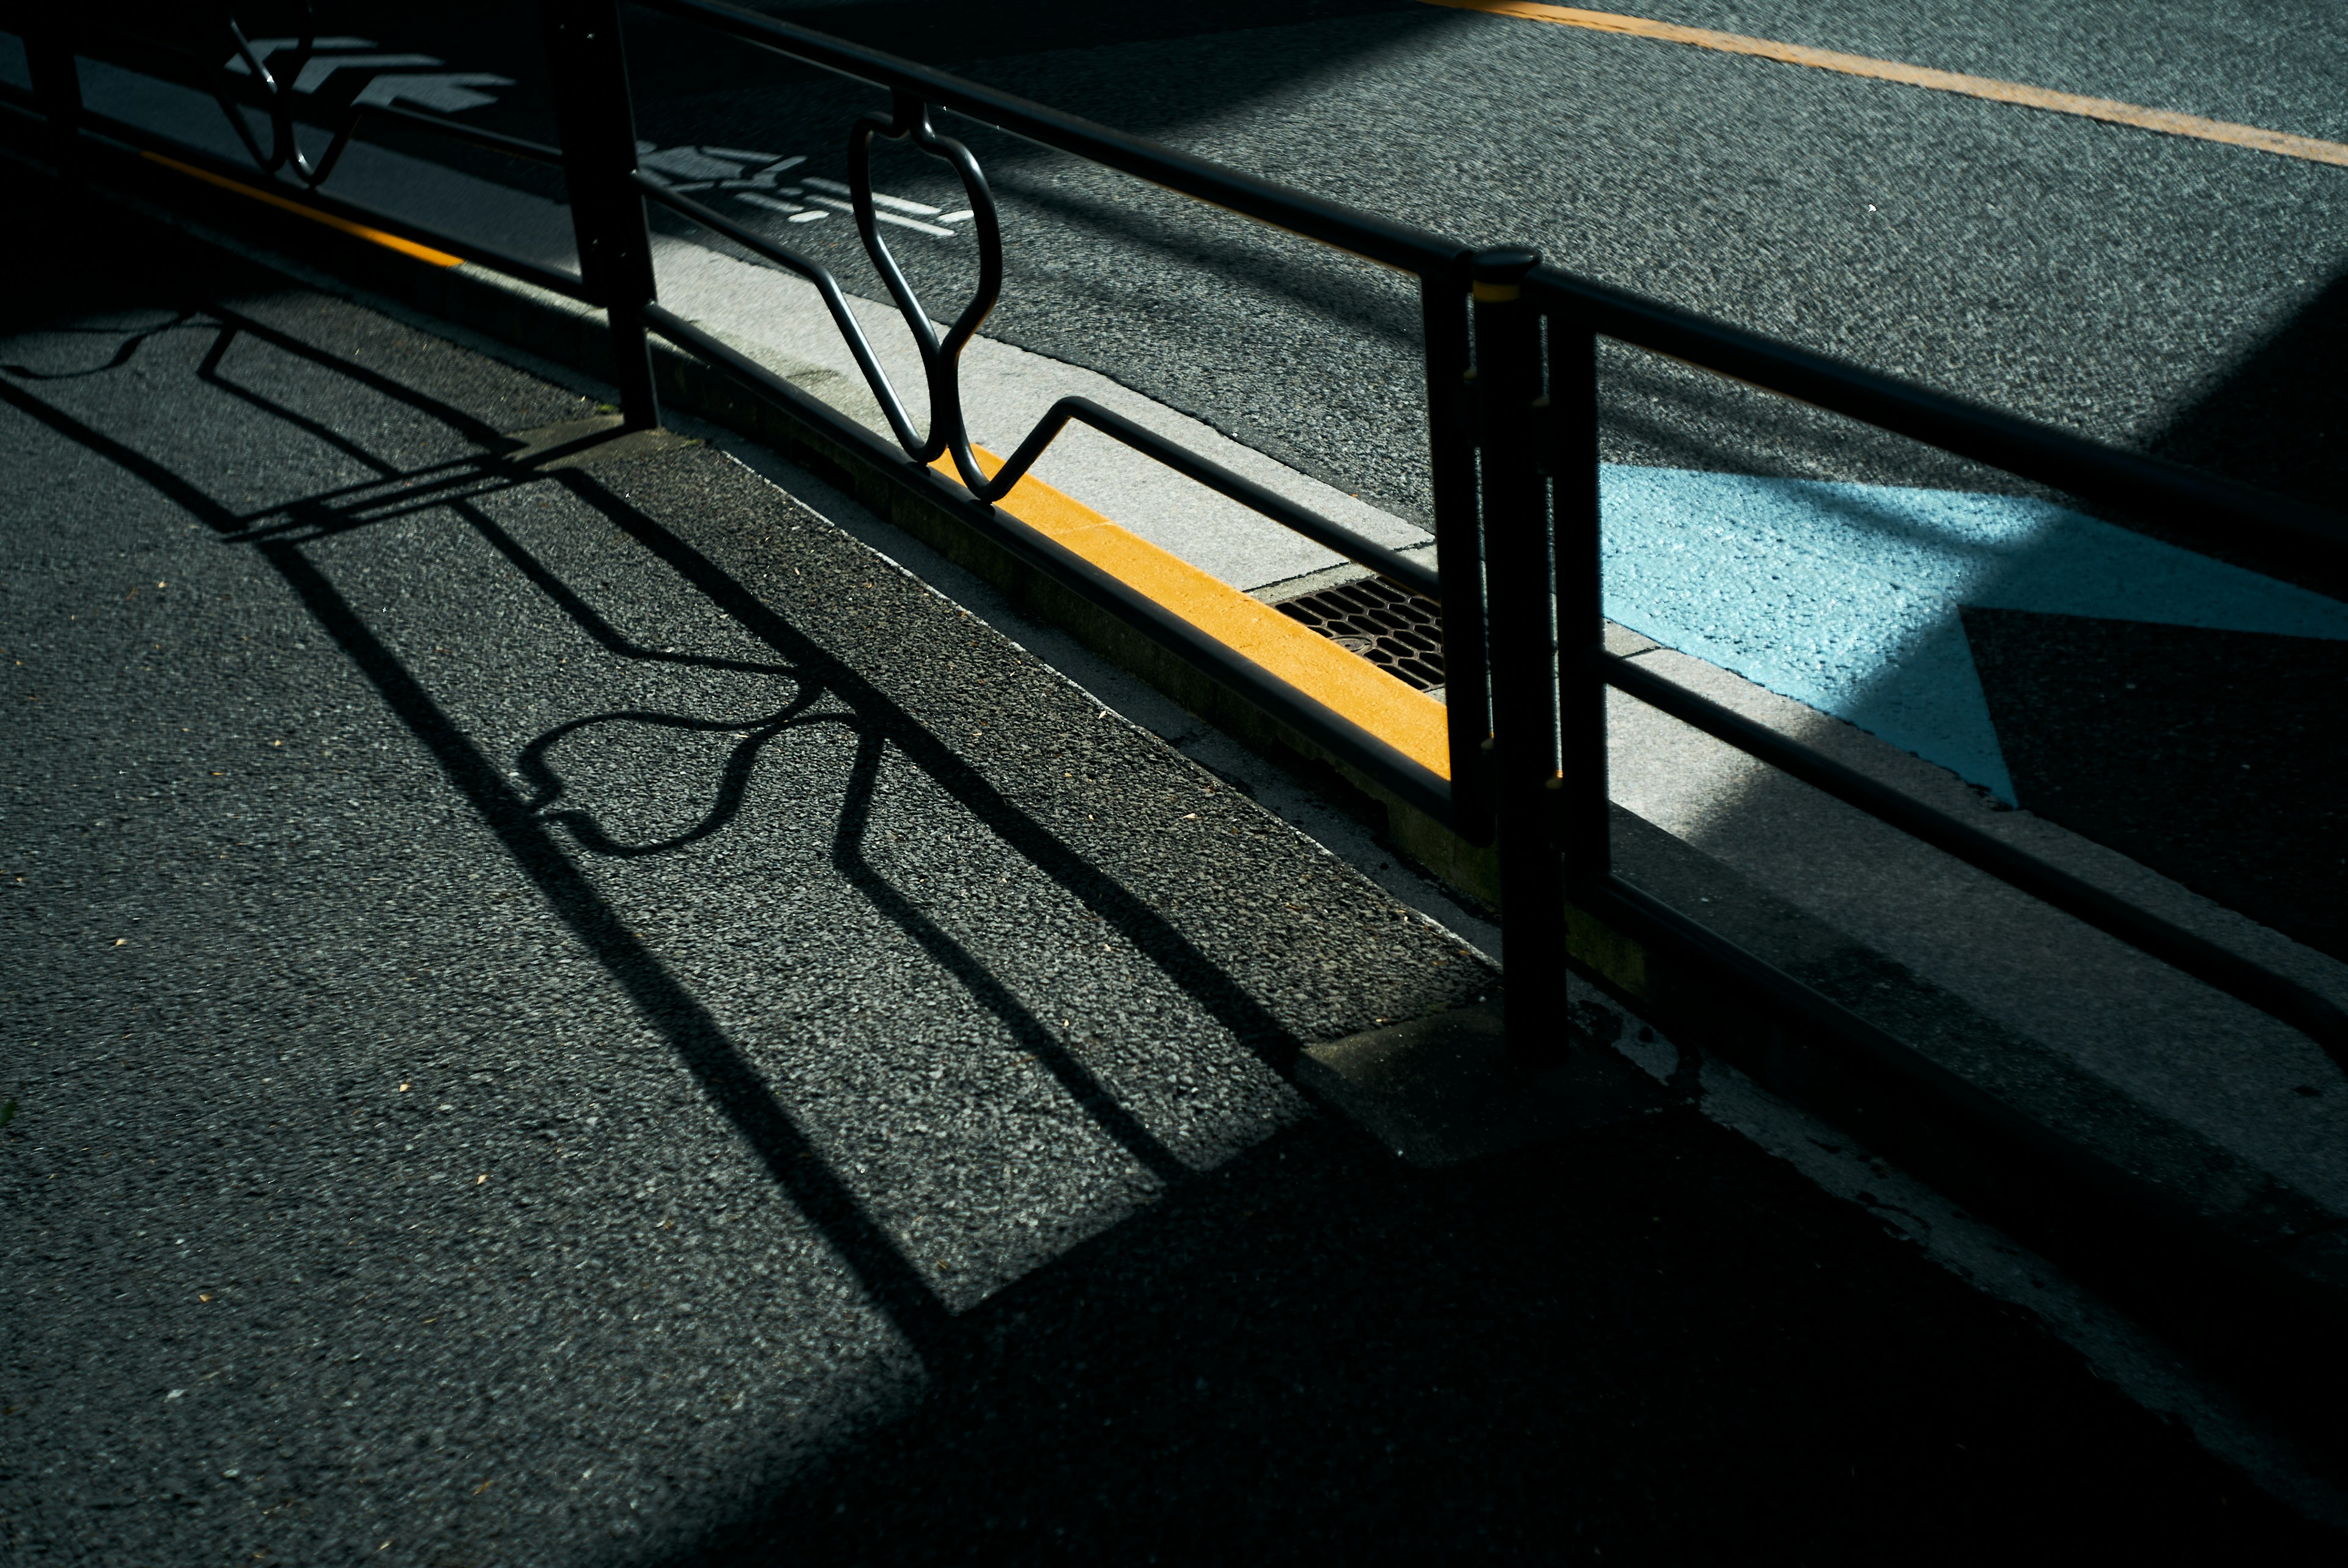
<point>2251,136</point>
<point>1397,712</point>
<point>389,241</point>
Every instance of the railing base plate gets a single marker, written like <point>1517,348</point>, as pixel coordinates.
<point>1440,1089</point>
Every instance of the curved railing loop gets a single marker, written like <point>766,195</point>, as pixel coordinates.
<point>909,116</point>
<point>284,148</point>
<point>843,315</point>
<point>948,431</point>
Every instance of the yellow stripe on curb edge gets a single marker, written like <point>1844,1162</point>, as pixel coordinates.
<point>2111,109</point>
<point>376,236</point>
<point>1406,718</point>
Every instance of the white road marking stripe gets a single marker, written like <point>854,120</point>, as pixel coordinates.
<point>761,160</point>
<point>684,162</point>
<point>265,47</point>
<point>449,93</point>
<point>899,203</point>
<point>768,202</point>
<point>320,66</point>
<point>884,217</point>
<point>962,216</point>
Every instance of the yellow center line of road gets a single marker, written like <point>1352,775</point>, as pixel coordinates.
<point>2111,109</point>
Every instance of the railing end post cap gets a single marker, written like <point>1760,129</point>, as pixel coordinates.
<point>1503,263</point>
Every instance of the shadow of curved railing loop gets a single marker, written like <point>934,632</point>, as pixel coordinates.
<point>124,353</point>
<point>733,779</point>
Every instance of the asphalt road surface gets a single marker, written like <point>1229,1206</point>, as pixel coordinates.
<point>2148,288</point>
<point>2172,294</point>
<point>527,1005</point>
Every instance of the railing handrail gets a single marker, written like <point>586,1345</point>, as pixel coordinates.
<point>2192,501</point>
<point>2171,493</point>
<point>1546,780</point>
<point>1381,239</point>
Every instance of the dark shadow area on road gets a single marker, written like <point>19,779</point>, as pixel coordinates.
<point>1651,1344</point>
<point>2279,419</point>
<point>2213,757</point>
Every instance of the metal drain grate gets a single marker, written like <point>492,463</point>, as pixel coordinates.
<point>1399,632</point>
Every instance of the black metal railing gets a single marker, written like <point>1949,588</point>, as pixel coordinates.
<point>1512,430</point>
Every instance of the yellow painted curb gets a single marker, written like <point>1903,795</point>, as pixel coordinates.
<point>1406,718</point>
<point>376,236</point>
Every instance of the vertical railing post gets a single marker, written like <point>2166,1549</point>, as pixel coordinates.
<point>596,120</point>
<point>1458,548</point>
<point>1578,819</point>
<point>1520,575</point>
<point>57,88</point>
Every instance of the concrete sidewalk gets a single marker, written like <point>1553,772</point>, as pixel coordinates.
<point>563,1009</point>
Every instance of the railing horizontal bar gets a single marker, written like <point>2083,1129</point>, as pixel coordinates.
<point>843,316</point>
<point>1364,234</point>
<point>1409,780</point>
<point>2313,1015</point>
<point>2193,502</point>
<point>553,279</point>
<point>247,90</point>
<point>441,125</point>
<point>1412,576</point>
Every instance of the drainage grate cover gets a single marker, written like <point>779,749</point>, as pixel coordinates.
<point>1399,632</point>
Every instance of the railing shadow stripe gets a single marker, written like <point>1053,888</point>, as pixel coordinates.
<point>665,1003</point>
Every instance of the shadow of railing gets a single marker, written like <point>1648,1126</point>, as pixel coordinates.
<point>528,814</point>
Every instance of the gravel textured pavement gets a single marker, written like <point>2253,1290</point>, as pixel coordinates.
<point>578,1015</point>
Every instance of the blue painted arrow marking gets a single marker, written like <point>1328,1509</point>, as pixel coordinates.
<point>1845,597</point>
